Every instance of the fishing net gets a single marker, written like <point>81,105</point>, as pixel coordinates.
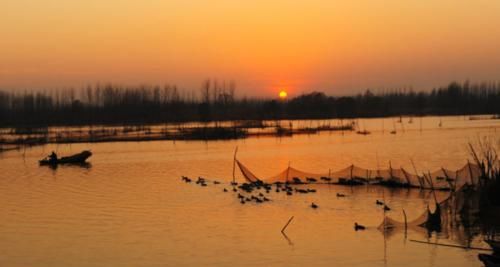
<point>435,220</point>
<point>442,179</point>
<point>293,175</point>
<point>459,209</point>
<point>249,176</point>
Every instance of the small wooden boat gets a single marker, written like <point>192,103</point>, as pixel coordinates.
<point>74,159</point>
<point>495,245</point>
<point>489,260</point>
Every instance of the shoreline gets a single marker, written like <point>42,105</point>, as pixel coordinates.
<point>186,134</point>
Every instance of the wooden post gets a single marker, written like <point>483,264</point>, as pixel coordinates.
<point>432,186</point>
<point>352,167</point>
<point>448,179</point>
<point>470,173</point>
<point>286,225</point>
<point>416,173</point>
<point>449,245</point>
<point>287,172</point>
<point>390,170</point>
<point>406,223</point>
<point>234,165</point>
<point>406,176</point>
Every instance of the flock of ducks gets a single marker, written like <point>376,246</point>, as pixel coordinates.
<point>259,197</point>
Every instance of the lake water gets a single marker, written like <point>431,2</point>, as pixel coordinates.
<point>130,207</point>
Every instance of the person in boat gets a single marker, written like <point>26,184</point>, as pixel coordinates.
<point>53,157</point>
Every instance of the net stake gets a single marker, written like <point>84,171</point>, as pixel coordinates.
<point>449,245</point>
<point>286,225</point>
<point>406,223</point>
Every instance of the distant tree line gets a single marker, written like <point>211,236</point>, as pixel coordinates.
<point>216,101</point>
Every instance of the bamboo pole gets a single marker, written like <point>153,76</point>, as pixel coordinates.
<point>449,245</point>
<point>448,179</point>
<point>287,172</point>
<point>470,173</point>
<point>406,222</point>
<point>432,186</point>
<point>416,173</point>
<point>352,167</point>
<point>406,176</point>
<point>390,170</point>
<point>234,165</point>
<point>286,225</point>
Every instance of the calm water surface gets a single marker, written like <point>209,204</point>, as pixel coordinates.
<point>129,208</point>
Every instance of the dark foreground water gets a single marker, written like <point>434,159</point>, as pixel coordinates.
<point>129,207</point>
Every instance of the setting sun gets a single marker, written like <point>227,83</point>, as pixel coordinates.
<point>283,94</point>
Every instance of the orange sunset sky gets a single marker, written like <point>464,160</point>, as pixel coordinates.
<point>338,47</point>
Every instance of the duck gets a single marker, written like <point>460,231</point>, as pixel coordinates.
<point>235,190</point>
<point>386,208</point>
<point>378,202</point>
<point>242,201</point>
<point>340,195</point>
<point>266,199</point>
<point>225,190</point>
<point>311,180</point>
<point>289,193</point>
<point>216,182</point>
<point>358,227</point>
<point>314,206</point>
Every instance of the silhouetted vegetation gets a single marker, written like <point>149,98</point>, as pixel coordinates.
<point>114,105</point>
